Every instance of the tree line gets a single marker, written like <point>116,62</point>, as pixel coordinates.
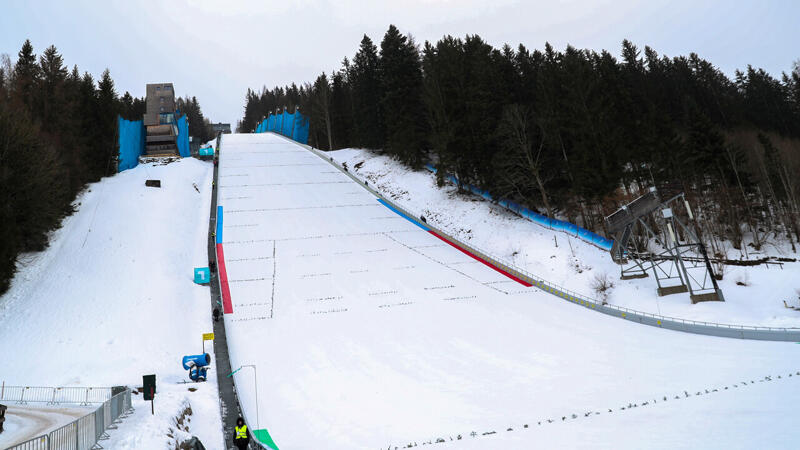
<point>58,132</point>
<point>573,133</point>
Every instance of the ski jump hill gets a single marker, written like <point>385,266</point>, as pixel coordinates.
<point>357,326</point>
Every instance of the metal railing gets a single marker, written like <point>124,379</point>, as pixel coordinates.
<point>85,432</point>
<point>656,320</point>
<point>54,395</point>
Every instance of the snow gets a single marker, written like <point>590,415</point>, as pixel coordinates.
<point>574,263</point>
<point>24,422</point>
<point>368,332</point>
<point>687,422</point>
<point>113,298</point>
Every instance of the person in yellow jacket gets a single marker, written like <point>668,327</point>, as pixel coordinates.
<point>241,435</point>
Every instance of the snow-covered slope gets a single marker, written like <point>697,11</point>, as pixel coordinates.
<point>369,332</point>
<point>112,298</point>
<point>570,262</point>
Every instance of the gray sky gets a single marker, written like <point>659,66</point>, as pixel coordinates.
<point>216,50</point>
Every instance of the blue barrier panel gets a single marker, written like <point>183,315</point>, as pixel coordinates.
<point>585,234</point>
<point>206,151</point>
<point>131,143</point>
<point>404,215</point>
<point>603,243</point>
<point>219,224</point>
<point>183,137</point>
<point>570,228</point>
<point>286,123</point>
<point>301,129</point>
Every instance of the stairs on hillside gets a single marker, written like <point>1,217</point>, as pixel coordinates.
<point>161,140</point>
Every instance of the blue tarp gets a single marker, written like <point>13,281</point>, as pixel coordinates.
<point>131,143</point>
<point>183,137</point>
<point>300,133</point>
<point>292,125</point>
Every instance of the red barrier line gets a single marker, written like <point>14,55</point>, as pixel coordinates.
<point>227,306</point>
<point>478,258</point>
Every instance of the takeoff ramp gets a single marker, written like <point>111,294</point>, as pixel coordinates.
<point>357,328</point>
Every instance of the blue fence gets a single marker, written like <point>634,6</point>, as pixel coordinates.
<point>183,137</point>
<point>132,138</point>
<point>131,143</point>
<point>292,125</point>
<point>547,222</point>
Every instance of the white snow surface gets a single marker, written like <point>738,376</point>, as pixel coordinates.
<point>574,263</point>
<point>369,332</point>
<point>24,421</point>
<point>112,298</point>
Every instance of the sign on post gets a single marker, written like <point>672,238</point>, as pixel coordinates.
<point>207,337</point>
<point>149,389</point>
<point>202,275</point>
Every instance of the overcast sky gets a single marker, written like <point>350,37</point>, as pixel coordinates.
<point>216,50</point>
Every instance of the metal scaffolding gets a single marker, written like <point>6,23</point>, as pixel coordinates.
<point>680,263</point>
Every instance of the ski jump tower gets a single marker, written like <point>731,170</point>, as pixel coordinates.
<point>681,264</point>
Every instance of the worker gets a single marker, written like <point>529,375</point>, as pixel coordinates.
<point>241,437</point>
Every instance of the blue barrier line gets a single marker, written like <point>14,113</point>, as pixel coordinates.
<point>403,215</point>
<point>544,221</point>
<point>219,224</point>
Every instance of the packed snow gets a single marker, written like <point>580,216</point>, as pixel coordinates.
<point>754,295</point>
<point>24,421</point>
<point>112,299</point>
<point>369,332</point>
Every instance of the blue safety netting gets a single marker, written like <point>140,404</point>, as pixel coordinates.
<point>183,137</point>
<point>131,143</point>
<point>292,125</point>
<point>533,216</point>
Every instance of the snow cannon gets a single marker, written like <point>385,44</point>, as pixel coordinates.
<point>198,373</point>
<point>191,361</point>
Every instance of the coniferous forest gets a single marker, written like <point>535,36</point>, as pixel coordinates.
<point>575,133</point>
<point>58,132</point>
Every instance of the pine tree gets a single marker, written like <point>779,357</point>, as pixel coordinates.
<point>367,94</point>
<point>26,75</point>
<point>401,78</point>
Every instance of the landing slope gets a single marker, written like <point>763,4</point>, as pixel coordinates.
<point>368,331</point>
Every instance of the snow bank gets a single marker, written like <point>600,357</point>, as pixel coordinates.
<point>571,262</point>
<point>113,297</point>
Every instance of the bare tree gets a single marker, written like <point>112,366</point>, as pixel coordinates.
<point>524,138</point>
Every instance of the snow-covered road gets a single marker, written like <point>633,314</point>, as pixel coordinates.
<point>367,331</point>
<point>30,421</point>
